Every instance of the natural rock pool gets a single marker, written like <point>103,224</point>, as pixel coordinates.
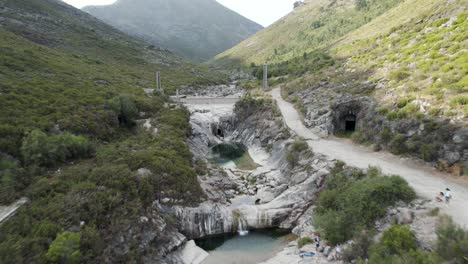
<point>232,155</point>
<point>255,247</point>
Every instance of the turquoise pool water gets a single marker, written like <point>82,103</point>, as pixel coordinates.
<point>255,247</point>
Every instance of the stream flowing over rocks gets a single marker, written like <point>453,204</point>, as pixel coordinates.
<point>278,193</point>
<point>275,194</point>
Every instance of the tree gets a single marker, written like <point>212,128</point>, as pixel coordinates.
<point>35,148</point>
<point>42,150</point>
<point>65,248</point>
<point>399,239</point>
<point>125,108</point>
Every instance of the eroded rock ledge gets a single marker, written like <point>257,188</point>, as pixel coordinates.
<point>275,195</point>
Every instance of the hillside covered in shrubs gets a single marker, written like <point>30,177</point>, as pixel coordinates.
<point>72,96</point>
<point>399,66</point>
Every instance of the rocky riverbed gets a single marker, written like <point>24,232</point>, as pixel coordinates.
<point>276,194</point>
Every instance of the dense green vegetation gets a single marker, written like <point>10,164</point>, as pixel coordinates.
<point>307,63</point>
<point>452,241</point>
<point>65,73</point>
<point>42,150</point>
<point>81,89</point>
<point>353,199</point>
<point>69,85</point>
<point>398,244</point>
<point>105,193</point>
<point>65,249</point>
<point>425,145</point>
<point>351,202</point>
<point>72,96</point>
<point>409,57</point>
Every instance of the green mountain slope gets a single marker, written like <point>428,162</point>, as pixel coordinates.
<point>198,29</point>
<point>59,66</point>
<point>419,46</point>
<point>71,96</point>
<point>402,64</point>
<point>309,27</point>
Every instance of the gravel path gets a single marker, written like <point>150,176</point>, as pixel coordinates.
<point>425,180</point>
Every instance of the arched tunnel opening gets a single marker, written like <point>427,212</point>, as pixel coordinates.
<point>346,117</point>
<point>219,132</point>
<point>350,123</point>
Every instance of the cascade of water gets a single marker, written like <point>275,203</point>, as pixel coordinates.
<point>242,226</point>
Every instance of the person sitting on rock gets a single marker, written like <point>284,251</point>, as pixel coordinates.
<point>440,197</point>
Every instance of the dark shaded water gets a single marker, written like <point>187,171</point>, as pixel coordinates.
<point>255,247</point>
<point>225,152</point>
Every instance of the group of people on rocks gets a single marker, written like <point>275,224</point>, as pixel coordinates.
<point>444,196</point>
<point>325,249</point>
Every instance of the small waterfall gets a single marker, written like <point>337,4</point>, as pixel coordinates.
<point>242,224</point>
<point>242,227</point>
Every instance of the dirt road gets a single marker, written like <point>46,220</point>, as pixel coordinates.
<point>425,180</point>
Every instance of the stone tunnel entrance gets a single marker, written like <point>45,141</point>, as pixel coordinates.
<point>350,123</point>
<point>346,117</point>
<point>217,130</point>
<point>219,133</point>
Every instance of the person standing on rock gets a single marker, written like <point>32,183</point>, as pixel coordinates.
<point>448,195</point>
<point>317,241</point>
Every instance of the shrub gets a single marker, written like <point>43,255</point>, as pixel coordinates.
<point>201,167</point>
<point>399,239</point>
<point>304,241</point>
<point>459,100</point>
<point>348,204</point>
<point>434,212</point>
<point>7,188</point>
<point>452,242</point>
<point>392,115</point>
<point>386,135</point>
<point>409,110</point>
<point>359,249</point>
<point>402,102</point>
<point>124,106</point>
<point>43,150</point>
<point>398,245</point>
<point>361,4</point>
<point>65,248</point>
<point>10,139</point>
<point>429,152</point>
<point>358,137</point>
<point>397,145</point>
<point>399,75</point>
<point>91,243</point>
<point>298,147</point>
